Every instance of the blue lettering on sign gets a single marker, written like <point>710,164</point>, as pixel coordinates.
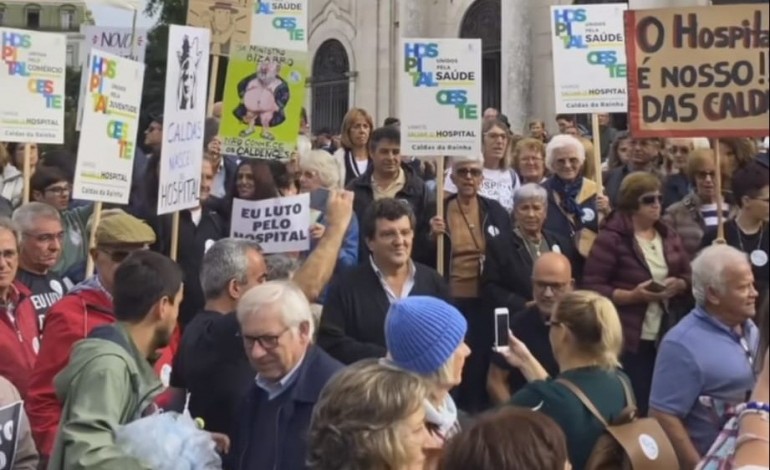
<point>184,132</point>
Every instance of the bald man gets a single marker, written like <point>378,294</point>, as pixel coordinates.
<point>216,111</point>
<point>551,281</point>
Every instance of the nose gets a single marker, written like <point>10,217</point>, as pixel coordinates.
<point>55,244</point>
<point>257,351</point>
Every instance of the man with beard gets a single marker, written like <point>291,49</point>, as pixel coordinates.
<point>109,381</point>
<point>264,95</point>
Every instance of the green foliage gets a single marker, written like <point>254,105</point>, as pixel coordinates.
<point>168,12</point>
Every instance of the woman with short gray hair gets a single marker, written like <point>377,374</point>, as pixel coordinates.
<point>511,257</point>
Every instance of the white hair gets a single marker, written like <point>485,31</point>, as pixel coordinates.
<point>529,192</point>
<point>708,269</point>
<point>303,145</point>
<point>564,142</point>
<point>294,306</point>
<point>325,165</point>
<point>701,143</point>
<point>28,214</point>
<point>475,159</point>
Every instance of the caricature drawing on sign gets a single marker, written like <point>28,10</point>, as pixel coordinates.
<point>224,21</point>
<point>189,58</point>
<point>264,96</point>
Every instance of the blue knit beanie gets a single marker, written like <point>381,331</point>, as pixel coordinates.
<point>422,333</point>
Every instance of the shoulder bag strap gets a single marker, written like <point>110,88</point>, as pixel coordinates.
<point>584,399</point>
<point>630,400</point>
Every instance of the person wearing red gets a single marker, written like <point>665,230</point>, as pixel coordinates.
<point>71,319</point>
<point>19,342</point>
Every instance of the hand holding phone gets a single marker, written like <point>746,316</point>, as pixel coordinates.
<point>656,287</point>
<point>502,326</point>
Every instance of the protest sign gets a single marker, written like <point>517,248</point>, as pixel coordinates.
<point>10,417</point>
<point>699,72</point>
<point>264,94</point>
<point>32,76</point>
<point>589,58</point>
<point>110,121</point>
<point>279,225</point>
<point>440,93</point>
<point>280,24</point>
<point>228,20</point>
<point>184,114</point>
<point>115,41</point>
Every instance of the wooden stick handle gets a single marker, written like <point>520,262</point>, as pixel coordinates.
<point>440,212</point>
<point>720,214</point>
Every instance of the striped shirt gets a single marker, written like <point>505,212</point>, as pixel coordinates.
<point>711,215</point>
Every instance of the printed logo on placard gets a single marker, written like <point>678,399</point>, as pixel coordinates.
<point>189,59</point>
<point>649,446</point>
<point>56,287</point>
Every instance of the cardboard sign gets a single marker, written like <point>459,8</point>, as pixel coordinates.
<point>32,74</point>
<point>279,225</point>
<point>699,72</point>
<point>184,115</point>
<point>589,58</point>
<point>280,24</point>
<point>440,93</point>
<point>10,418</point>
<point>228,20</point>
<point>110,121</point>
<point>264,95</point>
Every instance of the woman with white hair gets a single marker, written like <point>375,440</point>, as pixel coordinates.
<point>575,206</point>
<point>426,336</point>
<point>507,278</point>
<point>318,174</point>
<point>471,223</point>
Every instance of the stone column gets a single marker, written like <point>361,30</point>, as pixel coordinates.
<point>411,18</point>
<point>516,63</point>
<point>650,4</point>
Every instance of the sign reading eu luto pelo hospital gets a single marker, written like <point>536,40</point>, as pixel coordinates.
<point>32,74</point>
<point>440,97</point>
<point>699,72</point>
<point>589,58</point>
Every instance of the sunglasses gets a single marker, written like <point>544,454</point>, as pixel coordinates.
<point>466,172</point>
<point>651,199</point>
<point>705,174</point>
<point>118,256</point>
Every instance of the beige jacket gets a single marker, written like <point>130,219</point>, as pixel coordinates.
<point>26,453</point>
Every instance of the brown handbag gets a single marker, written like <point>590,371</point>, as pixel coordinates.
<point>629,442</point>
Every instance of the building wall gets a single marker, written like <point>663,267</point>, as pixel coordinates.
<point>15,14</point>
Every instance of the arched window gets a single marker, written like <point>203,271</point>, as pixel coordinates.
<point>331,86</point>
<point>32,16</point>
<point>67,17</point>
<point>482,21</point>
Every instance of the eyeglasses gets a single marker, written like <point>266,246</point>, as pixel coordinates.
<point>496,136</point>
<point>118,256</point>
<point>565,162</point>
<point>45,237</point>
<point>702,175</point>
<point>308,174</point>
<point>556,287</point>
<point>651,199</point>
<point>679,150</point>
<point>58,190</point>
<point>267,342</point>
<point>466,172</point>
<point>551,323</point>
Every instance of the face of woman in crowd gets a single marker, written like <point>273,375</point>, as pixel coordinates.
<point>244,183</point>
<point>359,132</point>
<point>18,156</point>
<point>414,438</point>
<point>458,362</point>
<point>678,150</point>
<point>309,180</point>
<point>566,163</point>
<point>467,177</point>
<point>705,179</point>
<point>650,206</point>
<point>624,150</point>
<point>530,215</point>
<point>495,144</point>
<point>531,166</point>
<point>758,207</point>
<point>536,130</point>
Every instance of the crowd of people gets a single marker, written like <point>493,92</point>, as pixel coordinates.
<point>632,304</point>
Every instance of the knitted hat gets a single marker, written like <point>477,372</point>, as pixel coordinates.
<point>422,333</point>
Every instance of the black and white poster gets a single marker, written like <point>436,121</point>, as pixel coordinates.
<point>10,417</point>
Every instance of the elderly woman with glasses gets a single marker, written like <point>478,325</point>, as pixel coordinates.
<point>574,204</point>
<point>697,212</point>
<point>472,222</point>
<point>640,264</point>
<point>507,277</point>
<point>529,161</point>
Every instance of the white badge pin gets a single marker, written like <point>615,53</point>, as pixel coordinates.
<point>556,249</point>
<point>649,446</point>
<point>208,245</point>
<point>493,231</point>
<point>759,258</point>
<point>56,286</point>
<point>588,215</point>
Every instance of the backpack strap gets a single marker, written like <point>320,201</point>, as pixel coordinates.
<point>584,399</point>
<point>630,400</point>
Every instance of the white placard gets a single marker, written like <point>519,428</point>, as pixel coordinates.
<point>184,115</point>
<point>280,24</point>
<point>110,121</point>
<point>589,59</point>
<point>279,225</point>
<point>440,93</point>
<point>32,75</point>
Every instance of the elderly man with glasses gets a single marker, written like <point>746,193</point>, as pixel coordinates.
<point>71,319</point>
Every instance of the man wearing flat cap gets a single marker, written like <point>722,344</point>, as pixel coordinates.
<point>87,306</point>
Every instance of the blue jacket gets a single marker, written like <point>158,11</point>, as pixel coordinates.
<point>293,417</point>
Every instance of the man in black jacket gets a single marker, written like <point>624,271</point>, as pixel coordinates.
<point>387,177</point>
<point>352,324</point>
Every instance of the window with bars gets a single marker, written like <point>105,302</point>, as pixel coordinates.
<point>330,85</point>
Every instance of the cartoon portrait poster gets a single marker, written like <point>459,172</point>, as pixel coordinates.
<point>264,94</point>
<point>228,20</point>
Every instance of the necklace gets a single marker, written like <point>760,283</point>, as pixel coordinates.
<point>740,233</point>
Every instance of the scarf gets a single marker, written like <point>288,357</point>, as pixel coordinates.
<point>568,193</point>
<point>444,418</point>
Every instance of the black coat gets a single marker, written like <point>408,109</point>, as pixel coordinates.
<point>353,320</point>
<point>507,277</point>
